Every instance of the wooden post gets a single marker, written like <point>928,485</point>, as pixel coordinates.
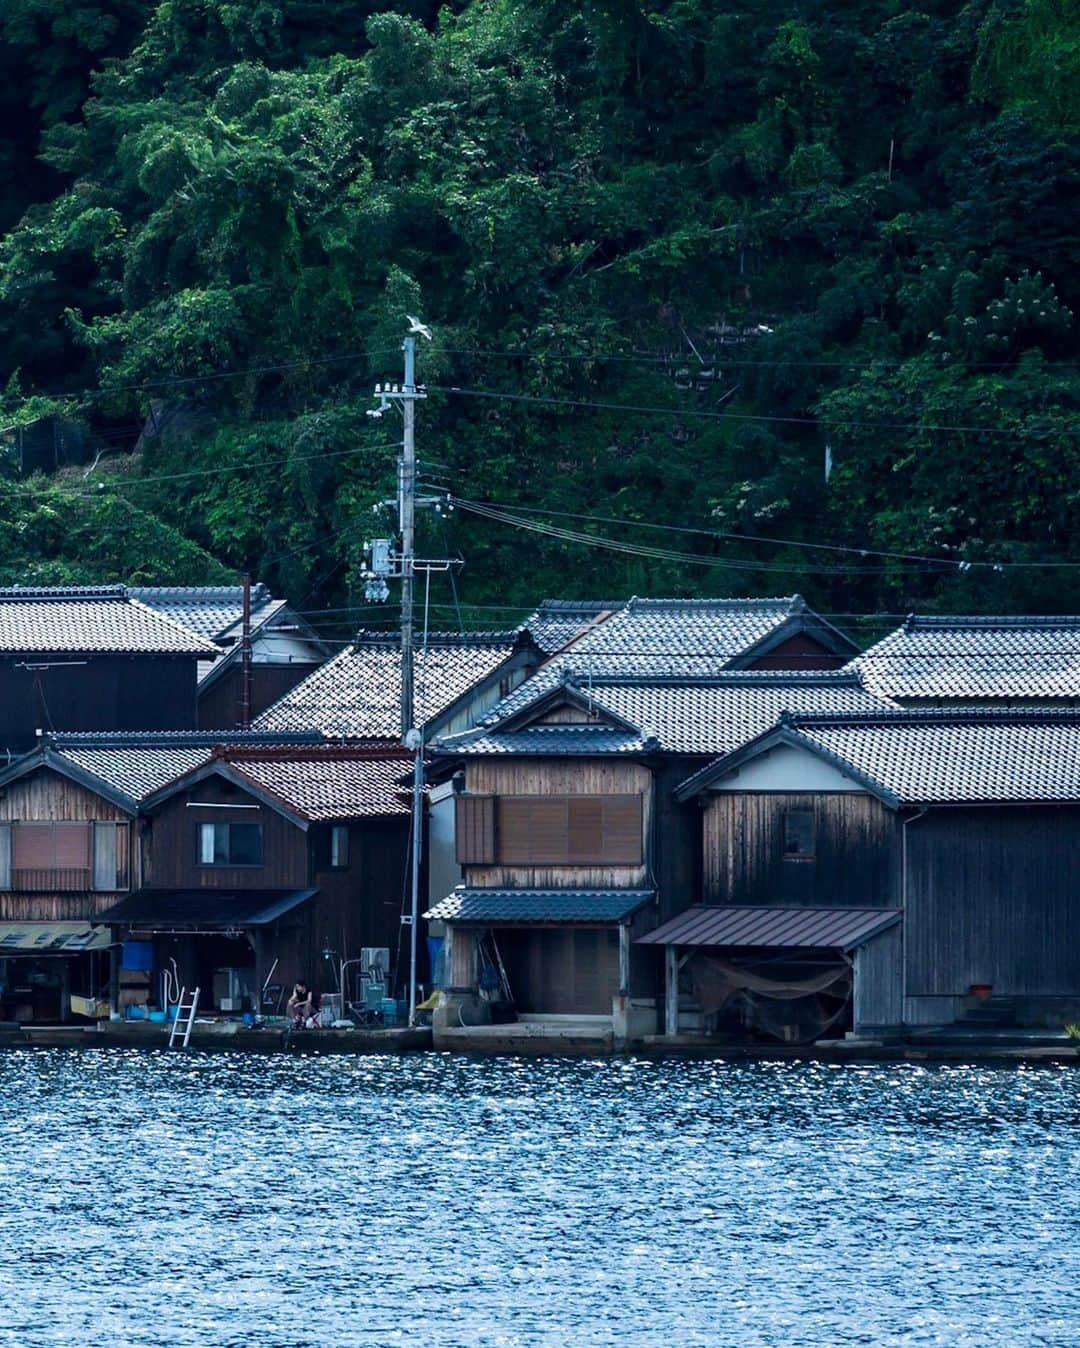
<point>114,980</point>
<point>624,959</point>
<point>671,990</point>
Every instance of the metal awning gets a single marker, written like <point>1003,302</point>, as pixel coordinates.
<point>204,909</point>
<point>51,938</point>
<point>791,928</point>
<point>539,905</point>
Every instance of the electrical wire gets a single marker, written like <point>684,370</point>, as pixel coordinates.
<point>677,412</point>
<point>242,467</point>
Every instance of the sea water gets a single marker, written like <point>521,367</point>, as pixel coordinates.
<point>312,1202</point>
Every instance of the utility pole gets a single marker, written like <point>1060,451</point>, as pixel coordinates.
<point>385,564</point>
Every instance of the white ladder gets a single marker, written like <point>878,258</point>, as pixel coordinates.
<point>184,1018</point>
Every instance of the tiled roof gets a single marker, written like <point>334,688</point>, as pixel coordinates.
<point>977,659</point>
<point>937,757</point>
<point>330,781</point>
<point>136,772</point>
<point>357,694</point>
<point>558,621</point>
<point>678,715</point>
<point>210,610</point>
<point>180,908</point>
<point>538,905</point>
<point>88,619</point>
<point>693,637</point>
<point>792,927</point>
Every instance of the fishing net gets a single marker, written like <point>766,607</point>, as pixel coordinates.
<point>794,1009</point>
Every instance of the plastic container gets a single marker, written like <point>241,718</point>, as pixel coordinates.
<point>158,1017</point>
<point>136,1013</point>
<point>389,1011</point>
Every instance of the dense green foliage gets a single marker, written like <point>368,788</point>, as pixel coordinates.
<point>224,211</point>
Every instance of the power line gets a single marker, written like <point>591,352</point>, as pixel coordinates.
<point>681,358</point>
<point>241,467</point>
<point>677,412</point>
<point>951,562</point>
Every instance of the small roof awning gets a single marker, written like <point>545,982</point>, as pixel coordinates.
<point>52,938</point>
<point>206,909</point>
<point>539,905</point>
<point>793,928</point>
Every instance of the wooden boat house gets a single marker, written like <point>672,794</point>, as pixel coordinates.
<point>922,860</point>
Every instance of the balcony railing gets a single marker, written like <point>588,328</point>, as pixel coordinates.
<point>54,880</point>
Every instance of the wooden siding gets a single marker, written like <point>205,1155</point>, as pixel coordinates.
<point>474,830</point>
<point>878,984</point>
<point>856,858</point>
<point>569,777</point>
<point>46,795</point>
<point>799,652</point>
<point>16,907</point>
<point>568,971</point>
<point>220,702</point>
<point>170,855</point>
<point>991,898</point>
<point>95,692</point>
<point>569,830</point>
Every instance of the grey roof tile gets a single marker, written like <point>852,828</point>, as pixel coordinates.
<point>677,715</point>
<point>88,620</point>
<point>357,694</point>
<point>136,772</point>
<point>793,927</point>
<point>538,905</point>
<point>329,781</point>
<point>690,637</point>
<point>941,757</point>
<point>210,610</point>
<point>978,659</point>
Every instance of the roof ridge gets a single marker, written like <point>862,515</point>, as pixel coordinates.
<point>915,622</point>
<point>47,593</point>
<point>735,678</point>
<point>368,639</point>
<point>936,716</point>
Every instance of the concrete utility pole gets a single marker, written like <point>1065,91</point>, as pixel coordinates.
<point>384,564</point>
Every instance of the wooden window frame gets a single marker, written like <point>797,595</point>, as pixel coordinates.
<point>799,857</point>
<point>228,864</point>
<point>339,855</point>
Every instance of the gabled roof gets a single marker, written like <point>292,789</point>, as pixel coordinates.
<point>308,784</point>
<point>357,694</point>
<point>559,621</point>
<point>539,905</point>
<point>977,659</point>
<point>675,715</point>
<point>210,610</point>
<point>125,767</point>
<point>932,757</point>
<point>90,619</point>
<point>682,637</point>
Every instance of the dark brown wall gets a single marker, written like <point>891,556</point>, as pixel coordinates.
<point>857,850</point>
<point>169,846</point>
<point>94,692</point>
<point>219,704</point>
<point>563,971</point>
<point>992,899</point>
<point>799,652</point>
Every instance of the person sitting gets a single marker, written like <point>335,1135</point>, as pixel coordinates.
<point>303,1007</point>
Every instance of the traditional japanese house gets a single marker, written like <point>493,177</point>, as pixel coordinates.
<point>68,852</point>
<point>570,839</point>
<point>83,658</point>
<point>918,862</point>
<point>264,864</point>
<point>284,648</point>
<point>957,661</point>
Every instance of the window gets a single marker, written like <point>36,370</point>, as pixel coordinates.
<point>339,847</point>
<point>570,830</point>
<point>798,835</point>
<point>230,844</point>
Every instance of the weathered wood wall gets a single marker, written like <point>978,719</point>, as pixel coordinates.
<point>220,703</point>
<point>561,971</point>
<point>104,692</point>
<point>170,855</point>
<point>800,652</point>
<point>992,899</point>
<point>856,859</point>
<point>46,795</point>
<point>562,776</point>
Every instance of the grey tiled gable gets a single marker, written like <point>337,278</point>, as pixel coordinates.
<point>210,610</point>
<point>687,637</point>
<point>91,620</point>
<point>979,659</point>
<point>357,694</point>
<point>711,715</point>
<point>938,757</point>
<point>538,905</point>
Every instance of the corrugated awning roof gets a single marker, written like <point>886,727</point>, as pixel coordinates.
<point>167,909</point>
<point>539,905</point>
<point>52,938</point>
<point>793,928</point>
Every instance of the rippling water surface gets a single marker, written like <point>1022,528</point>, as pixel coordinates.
<point>244,1200</point>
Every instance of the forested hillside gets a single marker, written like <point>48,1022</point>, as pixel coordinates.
<point>799,234</point>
